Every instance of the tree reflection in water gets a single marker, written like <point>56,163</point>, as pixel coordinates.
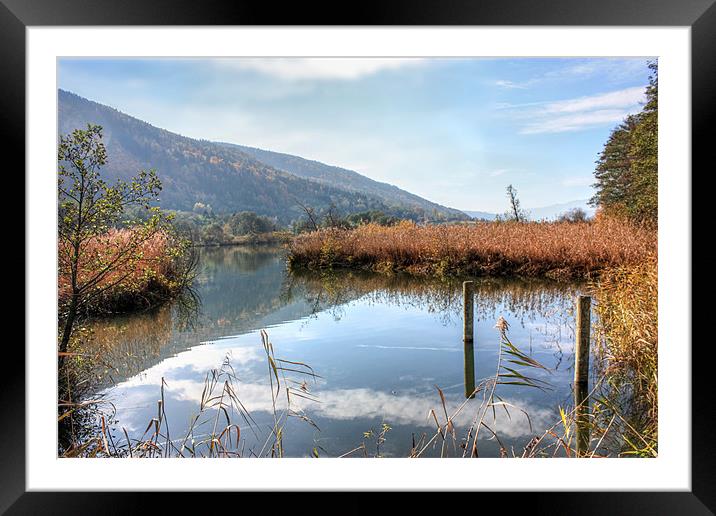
<point>526,299</point>
<point>238,288</point>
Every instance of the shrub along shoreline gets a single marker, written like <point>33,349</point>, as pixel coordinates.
<point>557,250</point>
<point>161,269</point>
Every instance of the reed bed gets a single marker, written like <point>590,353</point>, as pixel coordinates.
<point>557,250</point>
<point>627,338</point>
<point>153,273</point>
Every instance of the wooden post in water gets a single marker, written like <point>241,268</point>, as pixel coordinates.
<point>468,336</point>
<point>581,373</point>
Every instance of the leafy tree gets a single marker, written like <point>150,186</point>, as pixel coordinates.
<point>214,234</point>
<point>374,216</point>
<point>330,218</point>
<point>185,224</point>
<point>88,208</point>
<point>249,223</point>
<point>573,215</point>
<point>627,169</point>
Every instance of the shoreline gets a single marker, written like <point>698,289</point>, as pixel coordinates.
<point>260,239</point>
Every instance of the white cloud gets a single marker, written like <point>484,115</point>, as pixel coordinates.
<point>576,122</point>
<point>318,68</point>
<point>609,71</point>
<point>628,97</point>
<point>135,400</point>
<point>584,112</point>
<point>510,85</point>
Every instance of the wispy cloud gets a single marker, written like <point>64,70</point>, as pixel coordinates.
<point>608,71</point>
<point>510,84</point>
<point>583,112</point>
<point>575,122</point>
<point>628,97</point>
<point>324,68</point>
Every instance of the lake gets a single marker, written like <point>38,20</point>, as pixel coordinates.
<point>378,347</point>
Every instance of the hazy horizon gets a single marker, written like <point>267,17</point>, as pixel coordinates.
<point>455,131</point>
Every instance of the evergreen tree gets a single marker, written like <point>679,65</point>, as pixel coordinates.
<point>627,169</point>
<point>614,168</point>
<point>644,156</point>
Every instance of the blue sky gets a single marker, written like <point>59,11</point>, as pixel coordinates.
<point>453,130</point>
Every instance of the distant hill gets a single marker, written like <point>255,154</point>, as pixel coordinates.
<point>481,215</point>
<point>550,212</point>
<point>555,210</point>
<point>346,179</point>
<point>231,179</point>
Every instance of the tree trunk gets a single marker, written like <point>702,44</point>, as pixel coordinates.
<point>67,331</point>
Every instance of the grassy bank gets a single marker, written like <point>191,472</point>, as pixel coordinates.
<point>557,250</point>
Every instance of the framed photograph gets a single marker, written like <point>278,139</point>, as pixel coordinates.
<point>410,249</point>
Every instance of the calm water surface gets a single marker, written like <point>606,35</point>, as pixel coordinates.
<point>380,344</point>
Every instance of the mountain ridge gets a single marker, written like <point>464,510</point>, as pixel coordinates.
<point>349,179</point>
<point>230,179</point>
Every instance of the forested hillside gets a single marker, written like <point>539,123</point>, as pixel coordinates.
<point>219,175</point>
<point>346,179</point>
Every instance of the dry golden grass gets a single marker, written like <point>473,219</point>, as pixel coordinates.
<point>627,329</point>
<point>135,280</point>
<point>558,249</point>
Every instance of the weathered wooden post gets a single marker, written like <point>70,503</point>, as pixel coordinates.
<point>468,336</point>
<point>581,373</point>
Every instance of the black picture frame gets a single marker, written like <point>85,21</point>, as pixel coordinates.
<point>700,15</point>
